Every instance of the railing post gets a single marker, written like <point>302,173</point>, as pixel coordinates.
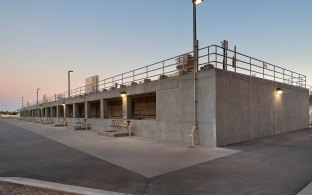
<point>283,75</point>
<point>208,56</point>
<point>292,78</point>
<point>163,67</point>
<point>274,72</point>
<point>305,81</point>
<point>250,66</point>
<point>216,56</point>
<point>133,76</point>
<point>122,78</point>
<point>146,72</point>
<point>263,70</point>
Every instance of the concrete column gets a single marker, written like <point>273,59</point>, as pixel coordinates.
<point>102,108</point>
<point>64,111</point>
<point>51,112</point>
<point>46,112</point>
<point>74,110</point>
<point>126,108</point>
<point>87,109</point>
<point>57,112</point>
<point>105,109</point>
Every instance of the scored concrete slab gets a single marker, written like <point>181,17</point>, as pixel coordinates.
<point>56,186</point>
<point>144,156</point>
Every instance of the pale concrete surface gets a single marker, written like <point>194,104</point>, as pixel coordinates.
<point>307,190</point>
<point>30,155</point>
<point>56,186</point>
<point>144,156</point>
<point>248,108</point>
<point>279,164</point>
<point>229,108</point>
<point>274,165</point>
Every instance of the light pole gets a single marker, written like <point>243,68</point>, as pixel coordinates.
<point>69,82</point>
<point>22,102</point>
<point>37,95</point>
<point>195,47</point>
<point>195,41</point>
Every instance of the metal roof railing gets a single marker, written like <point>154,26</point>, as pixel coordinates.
<point>214,55</point>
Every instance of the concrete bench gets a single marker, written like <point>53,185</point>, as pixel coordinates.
<point>119,128</point>
<point>60,123</point>
<point>80,125</point>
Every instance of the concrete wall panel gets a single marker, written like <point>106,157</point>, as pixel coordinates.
<point>248,108</point>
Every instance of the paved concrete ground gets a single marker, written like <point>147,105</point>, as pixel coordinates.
<point>279,164</point>
<point>29,155</point>
<point>129,152</point>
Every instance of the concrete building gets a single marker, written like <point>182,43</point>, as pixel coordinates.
<point>236,100</point>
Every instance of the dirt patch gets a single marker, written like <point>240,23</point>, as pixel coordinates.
<point>18,189</point>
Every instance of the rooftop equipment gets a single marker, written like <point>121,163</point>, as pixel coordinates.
<point>185,62</point>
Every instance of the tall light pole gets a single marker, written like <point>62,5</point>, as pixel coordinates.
<point>195,47</point>
<point>37,95</point>
<point>69,82</point>
<point>195,41</point>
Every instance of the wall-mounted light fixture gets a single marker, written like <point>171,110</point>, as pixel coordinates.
<point>123,94</point>
<point>279,91</point>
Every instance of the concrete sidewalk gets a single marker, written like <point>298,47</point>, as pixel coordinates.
<point>144,156</point>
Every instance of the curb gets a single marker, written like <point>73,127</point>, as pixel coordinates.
<point>56,186</point>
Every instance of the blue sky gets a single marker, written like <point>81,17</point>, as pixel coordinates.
<point>41,39</point>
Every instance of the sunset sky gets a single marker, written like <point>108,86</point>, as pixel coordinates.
<point>40,40</point>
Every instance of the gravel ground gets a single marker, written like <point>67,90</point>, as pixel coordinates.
<point>16,189</point>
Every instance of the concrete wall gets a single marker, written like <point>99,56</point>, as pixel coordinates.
<point>231,108</point>
<point>174,109</point>
<point>310,104</point>
<point>248,108</point>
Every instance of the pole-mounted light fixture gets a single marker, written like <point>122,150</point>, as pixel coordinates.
<point>197,1</point>
<point>279,91</point>
<point>123,94</point>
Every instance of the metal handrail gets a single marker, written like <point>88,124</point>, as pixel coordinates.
<point>213,55</point>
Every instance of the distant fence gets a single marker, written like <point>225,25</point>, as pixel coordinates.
<point>214,55</point>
